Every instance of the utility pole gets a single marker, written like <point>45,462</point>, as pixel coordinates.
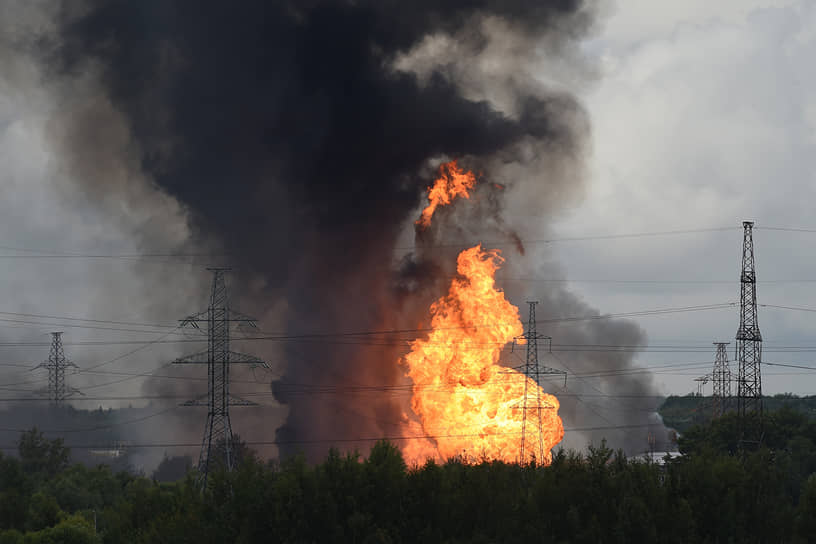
<point>218,439</point>
<point>56,364</point>
<point>701,381</point>
<point>722,380</point>
<point>749,344</point>
<point>532,370</point>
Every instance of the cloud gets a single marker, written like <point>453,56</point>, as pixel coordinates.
<point>702,118</point>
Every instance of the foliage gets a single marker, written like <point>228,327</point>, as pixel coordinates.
<point>41,456</point>
<point>684,412</point>
<point>172,469</point>
<point>716,492</point>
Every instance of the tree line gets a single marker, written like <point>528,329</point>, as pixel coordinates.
<point>718,491</point>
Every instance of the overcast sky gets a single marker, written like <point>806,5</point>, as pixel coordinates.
<point>703,114</point>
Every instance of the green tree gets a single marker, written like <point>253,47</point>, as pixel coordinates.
<point>13,494</point>
<point>43,511</point>
<point>806,512</point>
<point>71,530</point>
<point>11,536</point>
<point>172,469</point>
<point>41,456</point>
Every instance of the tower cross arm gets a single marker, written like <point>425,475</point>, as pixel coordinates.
<point>542,370</point>
<point>200,401</point>
<point>232,316</point>
<point>193,320</point>
<point>242,318</point>
<point>200,358</point>
<point>237,401</point>
<point>243,358</point>
<point>526,337</point>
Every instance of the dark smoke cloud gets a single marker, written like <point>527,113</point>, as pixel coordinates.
<point>299,137</point>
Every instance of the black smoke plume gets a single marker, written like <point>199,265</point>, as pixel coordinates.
<point>298,136</point>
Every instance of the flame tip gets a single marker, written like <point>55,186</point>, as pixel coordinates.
<point>451,182</point>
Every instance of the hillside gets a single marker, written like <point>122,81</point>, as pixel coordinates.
<point>681,413</point>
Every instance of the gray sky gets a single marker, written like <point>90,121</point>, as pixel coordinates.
<point>703,115</point>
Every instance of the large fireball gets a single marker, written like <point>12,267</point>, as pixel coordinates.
<point>468,404</point>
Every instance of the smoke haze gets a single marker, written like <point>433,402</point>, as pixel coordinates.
<point>298,137</point>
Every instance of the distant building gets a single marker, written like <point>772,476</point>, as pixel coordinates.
<point>657,457</point>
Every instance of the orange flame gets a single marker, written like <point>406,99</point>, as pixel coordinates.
<point>452,182</point>
<point>468,403</point>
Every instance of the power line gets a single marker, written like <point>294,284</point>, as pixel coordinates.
<point>99,427</point>
<point>347,440</point>
<point>104,363</point>
<point>52,254</point>
<point>31,253</point>
<point>90,320</point>
<point>499,278</point>
<point>350,389</point>
<point>786,229</point>
<point>789,365</point>
<point>174,327</point>
<point>306,336</point>
<point>601,373</point>
<point>256,394</point>
<point>514,242</point>
<point>796,308</point>
<point>79,326</point>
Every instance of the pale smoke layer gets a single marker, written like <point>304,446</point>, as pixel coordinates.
<point>45,210</point>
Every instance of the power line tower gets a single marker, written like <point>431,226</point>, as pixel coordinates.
<point>533,371</point>
<point>219,318</point>
<point>722,380</point>
<point>749,342</point>
<point>701,381</point>
<point>56,364</point>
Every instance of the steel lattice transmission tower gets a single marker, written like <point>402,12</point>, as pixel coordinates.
<point>701,382</point>
<point>219,318</point>
<point>749,339</point>
<point>533,371</point>
<point>722,380</point>
<point>56,364</point>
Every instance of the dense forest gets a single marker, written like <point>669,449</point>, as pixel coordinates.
<point>715,492</point>
<point>683,412</point>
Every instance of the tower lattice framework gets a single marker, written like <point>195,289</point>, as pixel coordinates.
<point>217,444</point>
<point>701,382</point>
<point>749,339</point>
<point>721,380</point>
<point>58,389</point>
<point>532,403</point>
